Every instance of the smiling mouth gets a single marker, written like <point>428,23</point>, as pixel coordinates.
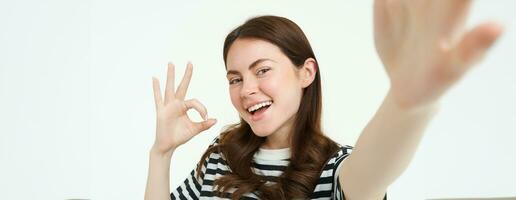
<point>259,108</point>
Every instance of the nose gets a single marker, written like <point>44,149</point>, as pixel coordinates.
<point>249,87</point>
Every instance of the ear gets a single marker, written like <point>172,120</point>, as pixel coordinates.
<point>307,72</point>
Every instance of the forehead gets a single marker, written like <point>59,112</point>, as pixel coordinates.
<point>245,51</point>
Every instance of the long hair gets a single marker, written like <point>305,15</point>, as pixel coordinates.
<point>310,148</point>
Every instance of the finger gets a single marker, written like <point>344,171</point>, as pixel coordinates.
<point>157,92</point>
<point>195,104</point>
<point>451,17</point>
<point>380,11</point>
<point>204,125</point>
<point>183,86</point>
<point>169,89</point>
<point>390,18</point>
<point>381,17</point>
<point>454,10</point>
<point>476,42</point>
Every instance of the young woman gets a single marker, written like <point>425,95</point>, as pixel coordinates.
<point>278,150</point>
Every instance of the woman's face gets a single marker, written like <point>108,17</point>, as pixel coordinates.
<point>264,85</point>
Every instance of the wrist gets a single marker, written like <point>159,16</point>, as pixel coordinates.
<point>410,106</point>
<point>156,152</point>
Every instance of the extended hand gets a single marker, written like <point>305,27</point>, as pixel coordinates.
<point>424,48</point>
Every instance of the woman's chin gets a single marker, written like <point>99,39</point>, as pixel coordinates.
<point>261,132</point>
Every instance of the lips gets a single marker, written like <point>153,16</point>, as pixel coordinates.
<point>258,109</point>
<point>258,106</point>
<point>254,103</point>
<point>260,113</point>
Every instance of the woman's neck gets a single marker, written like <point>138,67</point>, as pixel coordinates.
<point>280,138</point>
<point>277,140</point>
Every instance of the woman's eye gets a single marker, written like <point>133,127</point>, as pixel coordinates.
<point>262,71</point>
<point>234,81</point>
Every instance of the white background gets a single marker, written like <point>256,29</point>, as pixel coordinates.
<point>77,114</point>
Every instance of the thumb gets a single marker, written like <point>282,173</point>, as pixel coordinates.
<point>204,125</point>
<point>476,42</point>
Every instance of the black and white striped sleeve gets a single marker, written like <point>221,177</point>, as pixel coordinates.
<point>191,186</point>
<point>338,194</point>
<point>189,189</point>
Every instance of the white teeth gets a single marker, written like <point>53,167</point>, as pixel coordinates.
<point>259,105</point>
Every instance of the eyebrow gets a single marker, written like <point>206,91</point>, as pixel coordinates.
<point>251,66</point>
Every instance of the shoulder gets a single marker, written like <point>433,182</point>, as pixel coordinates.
<point>343,152</point>
<point>334,161</point>
<point>214,152</point>
<point>326,186</point>
<point>212,163</point>
<point>215,156</point>
<point>215,141</point>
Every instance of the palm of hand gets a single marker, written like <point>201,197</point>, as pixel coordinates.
<point>179,123</point>
<point>424,48</point>
<point>173,126</point>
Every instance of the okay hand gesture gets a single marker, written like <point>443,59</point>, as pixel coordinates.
<point>174,127</point>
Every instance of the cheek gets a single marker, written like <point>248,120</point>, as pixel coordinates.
<point>283,86</point>
<point>235,97</point>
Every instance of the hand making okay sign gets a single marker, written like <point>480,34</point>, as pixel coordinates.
<point>173,126</point>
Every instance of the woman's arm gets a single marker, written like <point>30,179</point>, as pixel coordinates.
<point>173,129</point>
<point>425,50</point>
<point>384,149</point>
<point>158,180</point>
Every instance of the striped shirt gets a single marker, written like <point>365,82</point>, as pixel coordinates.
<point>267,162</point>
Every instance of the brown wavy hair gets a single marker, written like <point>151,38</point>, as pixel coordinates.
<point>310,148</point>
